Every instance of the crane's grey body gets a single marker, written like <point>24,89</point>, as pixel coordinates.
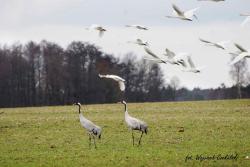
<point>92,129</point>
<point>135,124</point>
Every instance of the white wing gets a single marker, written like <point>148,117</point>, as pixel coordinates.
<point>240,47</point>
<point>101,33</point>
<point>121,85</point>
<point>177,10</point>
<point>190,13</point>
<point>223,43</point>
<point>169,53</point>
<point>138,27</point>
<point>190,62</point>
<point>156,60</point>
<point>151,53</point>
<point>181,56</point>
<point>239,57</point>
<point>117,79</point>
<point>205,41</point>
<point>114,77</point>
<point>94,26</point>
<point>245,21</point>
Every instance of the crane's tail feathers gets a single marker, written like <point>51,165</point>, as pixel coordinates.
<point>99,137</point>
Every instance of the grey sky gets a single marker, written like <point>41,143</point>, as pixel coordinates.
<point>64,20</point>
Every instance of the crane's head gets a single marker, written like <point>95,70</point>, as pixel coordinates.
<point>78,104</point>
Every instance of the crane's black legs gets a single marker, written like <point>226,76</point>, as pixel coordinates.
<point>133,137</point>
<point>140,138</point>
<point>89,140</point>
<point>94,141</point>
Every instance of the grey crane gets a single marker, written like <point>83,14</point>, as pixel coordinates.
<point>92,129</point>
<point>135,124</point>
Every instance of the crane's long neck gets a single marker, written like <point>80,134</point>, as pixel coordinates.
<point>125,108</point>
<point>79,109</point>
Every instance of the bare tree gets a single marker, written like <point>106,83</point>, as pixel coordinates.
<point>238,74</point>
<point>174,83</point>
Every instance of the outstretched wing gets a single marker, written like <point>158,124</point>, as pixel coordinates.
<point>190,13</point>
<point>240,47</point>
<point>121,85</point>
<point>238,58</point>
<point>151,53</point>
<point>101,33</point>
<point>245,21</point>
<point>156,60</point>
<point>222,44</point>
<point>190,61</point>
<point>169,53</point>
<point>117,79</point>
<point>205,41</point>
<point>177,10</point>
<point>114,77</point>
<point>139,40</point>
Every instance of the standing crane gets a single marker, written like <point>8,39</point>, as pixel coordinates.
<point>135,124</point>
<point>92,129</point>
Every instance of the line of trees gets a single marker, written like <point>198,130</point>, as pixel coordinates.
<point>44,73</point>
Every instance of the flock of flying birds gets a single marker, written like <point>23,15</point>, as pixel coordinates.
<point>181,59</point>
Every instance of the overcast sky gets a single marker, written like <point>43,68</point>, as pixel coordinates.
<point>63,21</point>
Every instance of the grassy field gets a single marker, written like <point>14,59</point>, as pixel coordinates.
<point>53,136</point>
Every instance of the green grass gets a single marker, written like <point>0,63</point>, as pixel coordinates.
<point>53,136</point>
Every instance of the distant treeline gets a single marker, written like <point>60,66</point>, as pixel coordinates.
<point>183,94</point>
<point>44,73</point>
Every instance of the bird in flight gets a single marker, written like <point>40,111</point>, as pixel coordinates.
<point>99,28</point>
<point>179,14</point>
<point>119,80</point>
<point>221,45</point>
<point>140,27</point>
<point>173,58</point>
<point>240,54</point>
<point>139,42</point>
<point>155,57</point>
<point>246,20</point>
<point>190,67</point>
